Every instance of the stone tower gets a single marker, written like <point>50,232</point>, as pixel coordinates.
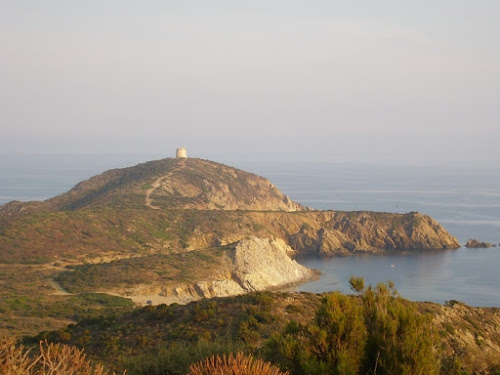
<point>181,153</point>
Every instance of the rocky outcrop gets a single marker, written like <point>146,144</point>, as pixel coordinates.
<point>253,264</point>
<point>335,232</point>
<point>261,264</point>
<point>477,244</point>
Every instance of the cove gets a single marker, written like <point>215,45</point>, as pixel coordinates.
<point>471,276</point>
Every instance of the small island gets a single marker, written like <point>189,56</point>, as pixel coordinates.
<point>475,244</point>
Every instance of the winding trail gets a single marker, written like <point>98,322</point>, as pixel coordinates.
<point>154,186</point>
<point>158,182</point>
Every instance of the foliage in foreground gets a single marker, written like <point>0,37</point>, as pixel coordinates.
<point>175,358</point>
<point>376,332</point>
<point>52,359</point>
<point>379,334</point>
<point>239,364</point>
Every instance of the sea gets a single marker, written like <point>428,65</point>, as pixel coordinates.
<point>465,200</point>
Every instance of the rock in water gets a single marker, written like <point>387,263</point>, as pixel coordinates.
<point>475,244</point>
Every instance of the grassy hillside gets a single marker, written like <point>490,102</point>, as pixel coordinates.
<point>153,270</point>
<point>29,303</point>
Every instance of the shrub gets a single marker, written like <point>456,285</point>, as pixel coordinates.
<point>377,332</point>
<point>332,344</point>
<point>239,364</point>
<point>400,340</point>
<point>51,359</point>
<point>338,337</point>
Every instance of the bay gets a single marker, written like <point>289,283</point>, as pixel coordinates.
<point>467,275</point>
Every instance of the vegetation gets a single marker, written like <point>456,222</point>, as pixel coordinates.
<point>28,304</point>
<point>378,333</point>
<point>167,339</point>
<point>51,359</point>
<point>239,364</point>
<point>176,358</point>
<point>153,269</point>
<point>373,332</point>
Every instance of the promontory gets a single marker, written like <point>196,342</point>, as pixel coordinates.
<point>176,227</point>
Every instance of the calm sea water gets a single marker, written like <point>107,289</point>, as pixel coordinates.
<point>465,201</point>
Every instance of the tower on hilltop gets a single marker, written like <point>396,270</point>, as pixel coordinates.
<point>181,153</point>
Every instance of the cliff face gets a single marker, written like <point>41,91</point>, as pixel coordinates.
<point>331,232</point>
<point>260,264</point>
<point>340,233</point>
<point>252,264</point>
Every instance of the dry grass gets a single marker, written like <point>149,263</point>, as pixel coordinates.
<point>234,365</point>
<point>53,359</point>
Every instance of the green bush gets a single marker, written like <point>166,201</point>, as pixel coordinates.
<point>376,332</point>
<point>400,340</point>
<point>332,344</point>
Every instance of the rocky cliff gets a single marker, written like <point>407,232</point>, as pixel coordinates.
<point>326,232</point>
<point>252,264</point>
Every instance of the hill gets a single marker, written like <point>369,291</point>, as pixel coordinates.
<point>168,229</point>
<point>175,184</point>
<point>187,204</point>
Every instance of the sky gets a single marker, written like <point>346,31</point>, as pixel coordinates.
<point>385,81</point>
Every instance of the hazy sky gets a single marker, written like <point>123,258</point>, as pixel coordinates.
<point>383,81</point>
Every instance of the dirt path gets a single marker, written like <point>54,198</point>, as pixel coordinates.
<point>60,291</point>
<point>154,186</point>
<point>157,183</point>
